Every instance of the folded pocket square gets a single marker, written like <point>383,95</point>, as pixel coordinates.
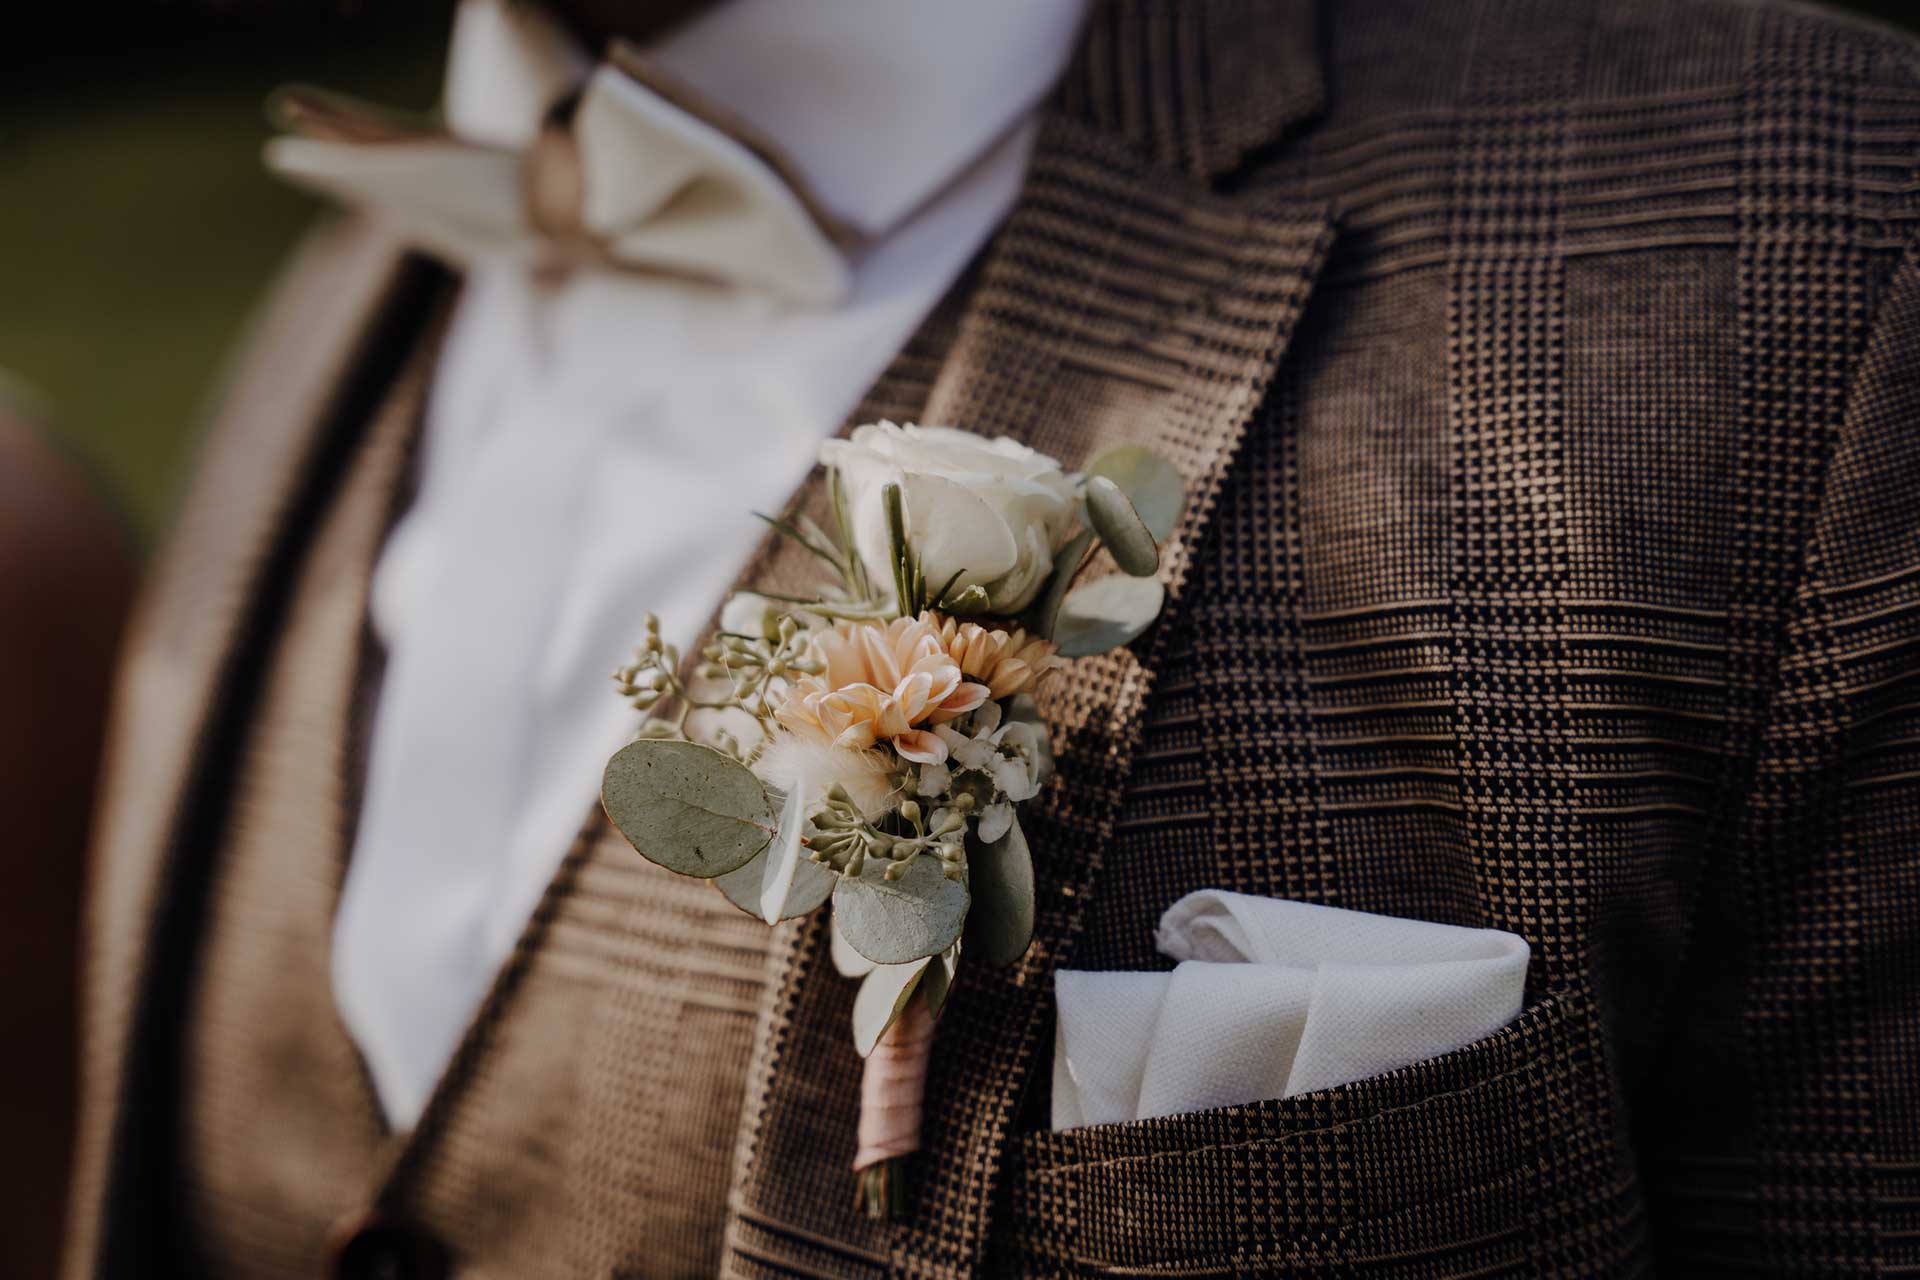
<point>1270,999</point>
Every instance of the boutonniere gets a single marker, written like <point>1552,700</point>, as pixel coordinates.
<point>870,745</point>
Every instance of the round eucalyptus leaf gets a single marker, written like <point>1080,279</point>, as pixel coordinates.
<point>1154,485</point>
<point>1120,527</point>
<point>882,998</point>
<point>746,887</point>
<point>847,962</point>
<point>1106,614</point>
<point>897,921</point>
<point>1000,922</point>
<point>687,807</point>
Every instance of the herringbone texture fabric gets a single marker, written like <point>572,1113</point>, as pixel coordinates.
<point>1547,380</point>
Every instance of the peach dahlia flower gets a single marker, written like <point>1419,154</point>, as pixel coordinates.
<point>1007,662</point>
<point>882,683</point>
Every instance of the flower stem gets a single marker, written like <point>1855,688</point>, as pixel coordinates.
<point>883,1189</point>
<point>892,1091</point>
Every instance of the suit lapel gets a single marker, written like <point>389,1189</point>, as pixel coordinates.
<point>1123,303</point>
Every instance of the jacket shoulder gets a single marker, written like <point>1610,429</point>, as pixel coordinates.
<point>1387,59</point>
<point>1755,43</point>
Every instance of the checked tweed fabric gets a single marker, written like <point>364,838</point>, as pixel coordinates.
<point>1547,378</point>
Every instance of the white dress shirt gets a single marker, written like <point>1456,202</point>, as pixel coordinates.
<point>594,450</point>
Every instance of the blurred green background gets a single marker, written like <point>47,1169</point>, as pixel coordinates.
<point>137,226</point>
<point>138,229</point>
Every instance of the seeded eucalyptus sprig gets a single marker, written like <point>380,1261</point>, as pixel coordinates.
<point>844,839</point>
<point>757,663</point>
<point>752,664</point>
<point>654,672</point>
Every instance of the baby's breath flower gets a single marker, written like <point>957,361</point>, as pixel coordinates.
<point>993,762</point>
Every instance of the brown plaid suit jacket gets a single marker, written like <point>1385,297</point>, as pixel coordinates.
<point>1547,375</point>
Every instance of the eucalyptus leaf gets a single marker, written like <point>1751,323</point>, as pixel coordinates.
<point>1106,614</point>
<point>1120,527</point>
<point>897,921</point>
<point>1066,563</point>
<point>882,998</point>
<point>847,962</point>
<point>1000,922</point>
<point>1154,485</point>
<point>745,888</point>
<point>687,807</point>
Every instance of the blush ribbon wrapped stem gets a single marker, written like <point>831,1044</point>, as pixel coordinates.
<point>892,1089</point>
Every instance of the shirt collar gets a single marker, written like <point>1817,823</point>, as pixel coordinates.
<point>877,104</point>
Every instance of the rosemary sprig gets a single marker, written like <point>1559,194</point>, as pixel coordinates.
<point>792,530</point>
<point>909,586</point>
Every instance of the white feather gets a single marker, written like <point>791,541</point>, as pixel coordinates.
<point>795,764</point>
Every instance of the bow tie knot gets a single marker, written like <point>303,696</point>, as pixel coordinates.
<point>554,185</point>
<point>624,173</point>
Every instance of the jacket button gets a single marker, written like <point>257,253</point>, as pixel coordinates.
<point>379,1247</point>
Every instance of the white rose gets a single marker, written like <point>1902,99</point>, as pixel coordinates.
<point>992,511</point>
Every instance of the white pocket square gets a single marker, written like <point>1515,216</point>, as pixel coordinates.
<point>1270,999</point>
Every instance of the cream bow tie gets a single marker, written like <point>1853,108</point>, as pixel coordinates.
<point>619,176</point>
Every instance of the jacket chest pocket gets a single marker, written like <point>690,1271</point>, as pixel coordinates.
<point>1497,1159</point>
